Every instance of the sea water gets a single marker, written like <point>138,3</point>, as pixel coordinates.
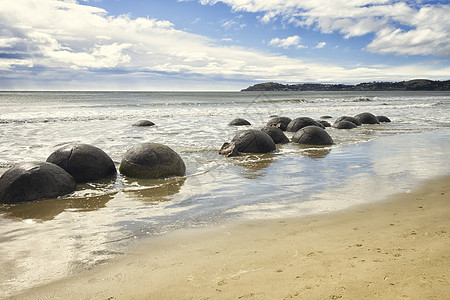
<point>55,238</point>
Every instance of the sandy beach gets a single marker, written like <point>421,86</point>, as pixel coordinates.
<point>395,249</point>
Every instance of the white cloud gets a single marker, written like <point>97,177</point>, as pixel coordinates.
<point>399,27</point>
<point>232,24</point>
<point>69,42</point>
<point>321,45</point>
<point>287,42</point>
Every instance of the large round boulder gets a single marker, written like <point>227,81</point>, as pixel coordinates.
<point>143,123</point>
<point>344,125</point>
<point>301,122</point>
<point>276,134</point>
<point>280,122</point>
<point>312,135</point>
<point>348,119</point>
<point>33,181</point>
<point>152,160</point>
<point>367,118</point>
<point>239,122</point>
<point>383,119</point>
<point>249,141</point>
<point>84,162</point>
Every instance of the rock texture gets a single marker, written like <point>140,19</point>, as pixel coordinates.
<point>152,160</point>
<point>84,162</point>
<point>33,181</point>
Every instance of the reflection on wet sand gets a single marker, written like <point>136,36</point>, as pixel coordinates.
<point>253,164</point>
<point>151,191</point>
<point>46,210</point>
<point>314,151</point>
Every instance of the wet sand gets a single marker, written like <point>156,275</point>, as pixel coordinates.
<point>395,249</point>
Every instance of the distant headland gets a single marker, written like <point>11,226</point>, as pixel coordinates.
<point>411,85</point>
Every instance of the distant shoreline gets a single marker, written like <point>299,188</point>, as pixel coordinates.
<point>411,85</point>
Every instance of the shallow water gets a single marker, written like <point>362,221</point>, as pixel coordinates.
<point>50,239</point>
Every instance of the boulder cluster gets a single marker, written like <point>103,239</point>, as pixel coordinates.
<point>307,131</point>
<point>81,163</point>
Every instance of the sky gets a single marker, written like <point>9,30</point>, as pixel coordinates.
<point>224,45</point>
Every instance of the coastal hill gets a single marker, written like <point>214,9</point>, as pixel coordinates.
<point>411,85</point>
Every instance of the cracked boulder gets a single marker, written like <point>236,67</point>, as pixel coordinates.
<point>276,134</point>
<point>312,135</point>
<point>33,181</point>
<point>280,122</point>
<point>249,141</point>
<point>84,162</point>
<point>301,122</point>
<point>152,160</point>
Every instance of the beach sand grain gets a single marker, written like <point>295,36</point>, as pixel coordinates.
<point>395,249</point>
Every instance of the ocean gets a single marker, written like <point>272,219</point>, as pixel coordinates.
<point>55,238</point>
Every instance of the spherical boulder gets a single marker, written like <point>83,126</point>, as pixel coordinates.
<point>324,123</point>
<point>33,181</point>
<point>84,162</point>
<point>239,122</point>
<point>152,160</point>
<point>312,135</point>
<point>301,122</point>
<point>280,122</point>
<point>276,134</point>
<point>383,119</point>
<point>344,125</point>
<point>249,141</point>
<point>349,119</point>
<point>144,123</point>
<point>367,118</point>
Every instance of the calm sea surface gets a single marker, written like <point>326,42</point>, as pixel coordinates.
<point>54,238</point>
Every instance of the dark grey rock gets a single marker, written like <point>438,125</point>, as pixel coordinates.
<point>280,122</point>
<point>84,162</point>
<point>144,123</point>
<point>301,122</point>
<point>326,117</point>
<point>344,125</point>
<point>239,122</point>
<point>276,134</point>
<point>383,119</point>
<point>152,160</point>
<point>249,141</point>
<point>367,118</point>
<point>33,181</point>
<point>324,123</point>
<point>312,135</point>
<point>349,119</point>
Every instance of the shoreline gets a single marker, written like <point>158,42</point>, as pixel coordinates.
<point>395,248</point>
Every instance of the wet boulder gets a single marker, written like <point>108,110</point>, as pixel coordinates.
<point>312,135</point>
<point>280,122</point>
<point>383,119</point>
<point>144,123</point>
<point>152,160</point>
<point>276,134</point>
<point>249,141</point>
<point>348,119</point>
<point>344,125</point>
<point>84,162</point>
<point>239,122</point>
<point>301,122</point>
<point>324,123</point>
<point>33,181</point>
<point>367,118</point>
